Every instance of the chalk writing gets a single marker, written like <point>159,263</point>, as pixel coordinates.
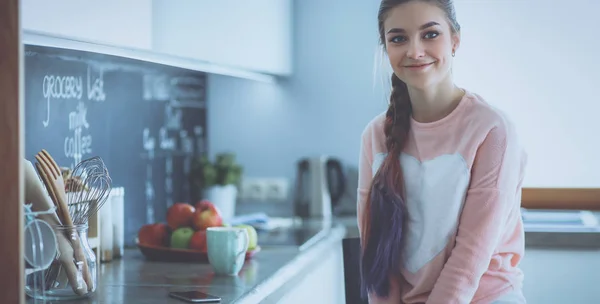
<point>78,144</point>
<point>95,86</point>
<point>149,195</point>
<point>173,117</point>
<point>166,142</point>
<point>187,143</point>
<point>149,143</point>
<point>169,180</point>
<point>155,87</point>
<point>60,87</point>
<point>200,146</point>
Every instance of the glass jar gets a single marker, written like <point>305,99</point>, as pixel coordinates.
<point>73,272</point>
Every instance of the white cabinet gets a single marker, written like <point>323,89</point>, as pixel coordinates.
<point>573,277</point>
<point>230,37</point>
<point>324,284</point>
<point>249,35</point>
<point>112,22</point>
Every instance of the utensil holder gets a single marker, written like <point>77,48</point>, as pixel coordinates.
<point>94,230</point>
<point>39,241</point>
<point>65,278</point>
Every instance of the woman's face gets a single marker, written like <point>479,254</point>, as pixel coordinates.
<point>419,43</point>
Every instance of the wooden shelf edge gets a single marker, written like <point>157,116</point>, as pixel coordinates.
<point>561,198</point>
<point>11,154</point>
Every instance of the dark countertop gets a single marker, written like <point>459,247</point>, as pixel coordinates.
<point>263,279</point>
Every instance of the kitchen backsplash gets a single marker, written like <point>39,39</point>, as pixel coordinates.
<point>146,121</point>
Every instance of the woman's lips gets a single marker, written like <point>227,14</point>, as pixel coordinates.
<point>418,66</point>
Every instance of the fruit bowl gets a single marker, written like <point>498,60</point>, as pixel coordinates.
<point>166,254</point>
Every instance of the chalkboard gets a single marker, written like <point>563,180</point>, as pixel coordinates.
<point>145,120</point>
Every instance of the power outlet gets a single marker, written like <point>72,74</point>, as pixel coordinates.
<point>268,189</point>
<point>276,189</point>
<point>253,188</point>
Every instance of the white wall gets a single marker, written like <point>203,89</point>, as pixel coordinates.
<point>535,60</point>
<point>532,58</point>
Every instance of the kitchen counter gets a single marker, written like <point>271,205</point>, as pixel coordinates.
<point>273,273</point>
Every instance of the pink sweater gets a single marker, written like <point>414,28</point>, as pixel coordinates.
<point>464,234</point>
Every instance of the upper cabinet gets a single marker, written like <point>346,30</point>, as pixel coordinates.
<point>110,22</point>
<point>251,35</point>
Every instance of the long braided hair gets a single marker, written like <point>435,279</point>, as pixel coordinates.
<point>384,216</point>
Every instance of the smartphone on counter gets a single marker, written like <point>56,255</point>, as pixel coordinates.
<point>195,296</point>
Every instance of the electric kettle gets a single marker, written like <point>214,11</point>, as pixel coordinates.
<point>320,184</point>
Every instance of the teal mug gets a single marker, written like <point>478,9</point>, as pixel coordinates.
<point>227,248</point>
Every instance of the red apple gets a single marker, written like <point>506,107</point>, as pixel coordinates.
<point>206,215</point>
<point>180,215</point>
<point>204,204</point>
<point>198,241</point>
<point>154,234</point>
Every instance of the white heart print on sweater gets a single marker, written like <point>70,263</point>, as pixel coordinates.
<point>435,195</point>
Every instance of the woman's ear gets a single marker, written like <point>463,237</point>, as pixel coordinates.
<point>455,41</point>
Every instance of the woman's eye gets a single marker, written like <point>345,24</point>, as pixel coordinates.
<point>398,39</point>
<point>431,35</point>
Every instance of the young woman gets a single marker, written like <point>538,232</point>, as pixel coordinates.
<point>440,175</point>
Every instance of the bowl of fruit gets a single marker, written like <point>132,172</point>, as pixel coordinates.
<point>183,237</point>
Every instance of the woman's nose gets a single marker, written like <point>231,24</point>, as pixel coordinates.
<point>415,50</point>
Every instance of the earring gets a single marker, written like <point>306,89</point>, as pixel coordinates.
<point>453,53</point>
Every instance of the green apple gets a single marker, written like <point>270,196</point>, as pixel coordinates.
<point>252,236</point>
<point>180,238</point>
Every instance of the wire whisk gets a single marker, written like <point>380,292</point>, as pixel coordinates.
<point>87,187</point>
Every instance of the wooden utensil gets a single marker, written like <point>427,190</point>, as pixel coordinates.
<point>40,201</point>
<point>52,178</point>
<point>37,196</point>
